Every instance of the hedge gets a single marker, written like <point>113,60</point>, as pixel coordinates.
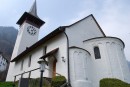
<point>57,81</point>
<point>32,83</point>
<point>112,82</point>
<point>35,83</point>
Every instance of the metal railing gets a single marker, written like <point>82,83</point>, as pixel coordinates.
<point>30,73</point>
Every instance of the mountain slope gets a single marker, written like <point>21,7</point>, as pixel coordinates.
<point>7,40</point>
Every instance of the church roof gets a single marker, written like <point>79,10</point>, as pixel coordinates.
<point>51,35</point>
<point>31,16</point>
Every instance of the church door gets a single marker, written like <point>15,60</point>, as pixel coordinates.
<point>54,68</point>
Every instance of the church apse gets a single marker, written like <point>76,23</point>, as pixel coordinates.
<point>80,61</point>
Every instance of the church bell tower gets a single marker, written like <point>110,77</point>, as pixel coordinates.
<point>29,30</point>
<point>28,33</point>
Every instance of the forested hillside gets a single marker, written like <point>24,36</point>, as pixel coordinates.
<point>7,40</point>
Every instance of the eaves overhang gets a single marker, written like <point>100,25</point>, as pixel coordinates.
<point>51,53</point>
<point>27,16</point>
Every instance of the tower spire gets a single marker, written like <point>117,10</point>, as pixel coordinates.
<point>31,16</point>
<point>33,10</point>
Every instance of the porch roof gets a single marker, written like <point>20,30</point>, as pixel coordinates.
<point>49,53</point>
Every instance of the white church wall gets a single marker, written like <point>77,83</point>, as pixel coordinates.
<point>119,50</point>
<point>27,40</point>
<point>112,63</point>
<point>35,55</point>
<point>60,42</point>
<point>26,75</point>
<point>17,78</point>
<point>80,68</point>
<point>10,76</point>
<point>81,31</point>
<point>24,39</point>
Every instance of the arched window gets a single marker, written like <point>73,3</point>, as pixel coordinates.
<point>97,53</point>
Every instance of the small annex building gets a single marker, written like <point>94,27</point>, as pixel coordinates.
<point>3,62</point>
<point>81,52</point>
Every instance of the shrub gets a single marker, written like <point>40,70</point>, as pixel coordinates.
<point>35,82</point>
<point>112,82</point>
<point>6,84</point>
<point>57,81</point>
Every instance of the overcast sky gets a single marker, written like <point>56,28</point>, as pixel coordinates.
<point>112,15</point>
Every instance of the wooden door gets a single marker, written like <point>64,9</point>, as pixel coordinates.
<point>54,68</point>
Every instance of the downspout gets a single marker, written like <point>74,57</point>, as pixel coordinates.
<point>63,29</point>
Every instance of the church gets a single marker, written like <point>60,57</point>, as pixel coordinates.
<point>80,51</point>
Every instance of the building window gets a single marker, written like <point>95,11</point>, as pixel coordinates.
<point>29,62</point>
<point>45,49</point>
<point>22,64</point>
<point>97,53</point>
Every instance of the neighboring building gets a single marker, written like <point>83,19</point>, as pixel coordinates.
<point>81,52</point>
<point>3,63</point>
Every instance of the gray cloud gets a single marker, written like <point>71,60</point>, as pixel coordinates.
<point>112,15</point>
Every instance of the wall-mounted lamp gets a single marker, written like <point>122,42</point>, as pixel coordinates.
<point>63,59</point>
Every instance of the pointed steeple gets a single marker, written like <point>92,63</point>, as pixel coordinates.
<point>31,16</point>
<point>33,10</point>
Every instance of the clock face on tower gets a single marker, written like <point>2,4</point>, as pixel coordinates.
<point>31,30</point>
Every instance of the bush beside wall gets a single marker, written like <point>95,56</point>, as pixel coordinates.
<point>111,82</point>
<point>35,83</point>
<point>57,81</point>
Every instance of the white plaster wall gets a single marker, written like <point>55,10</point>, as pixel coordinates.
<point>112,63</point>
<point>81,31</point>
<point>80,68</point>
<point>36,54</point>
<point>10,76</point>
<point>60,42</point>
<point>24,39</point>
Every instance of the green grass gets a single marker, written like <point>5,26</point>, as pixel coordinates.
<point>112,82</point>
<point>6,84</point>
